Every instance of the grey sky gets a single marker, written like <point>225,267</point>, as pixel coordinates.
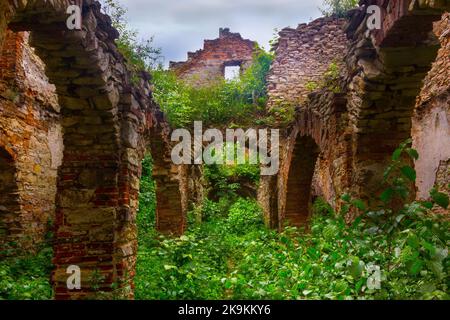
<point>180,26</point>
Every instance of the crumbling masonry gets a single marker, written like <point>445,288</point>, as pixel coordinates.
<point>74,127</point>
<point>341,141</point>
<point>107,123</point>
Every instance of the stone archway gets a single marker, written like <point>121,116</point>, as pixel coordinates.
<point>319,135</point>
<point>299,181</point>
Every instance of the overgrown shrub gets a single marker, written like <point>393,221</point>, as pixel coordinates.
<point>219,104</point>
<point>147,202</point>
<point>244,215</point>
<point>27,277</point>
<point>141,54</point>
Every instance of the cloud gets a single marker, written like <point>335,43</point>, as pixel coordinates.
<point>180,26</point>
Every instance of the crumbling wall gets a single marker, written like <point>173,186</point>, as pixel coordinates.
<point>31,144</point>
<point>314,148</point>
<point>315,156</point>
<point>316,153</point>
<point>205,66</point>
<point>302,56</point>
<point>431,121</point>
<point>383,76</point>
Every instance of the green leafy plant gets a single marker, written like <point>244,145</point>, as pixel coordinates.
<point>244,214</point>
<point>311,86</point>
<point>147,202</point>
<point>232,255</point>
<point>219,104</point>
<point>141,54</point>
<point>330,80</point>
<point>27,277</point>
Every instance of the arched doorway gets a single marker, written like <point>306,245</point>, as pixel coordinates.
<point>9,201</point>
<point>301,171</point>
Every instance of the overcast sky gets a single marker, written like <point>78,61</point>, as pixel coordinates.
<point>180,26</point>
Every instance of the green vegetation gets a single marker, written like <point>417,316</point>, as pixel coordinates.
<point>27,277</point>
<point>330,80</point>
<point>338,7</point>
<point>229,253</point>
<point>141,54</point>
<point>220,104</point>
<point>147,203</point>
<point>232,255</point>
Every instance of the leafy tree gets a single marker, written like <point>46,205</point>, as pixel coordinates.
<point>338,7</point>
<point>141,54</point>
<point>221,103</point>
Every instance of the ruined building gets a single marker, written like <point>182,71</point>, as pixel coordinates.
<point>219,57</point>
<point>75,125</point>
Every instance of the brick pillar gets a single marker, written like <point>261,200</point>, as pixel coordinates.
<point>10,56</point>
<point>170,180</point>
<point>268,200</point>
<point>93,217</point>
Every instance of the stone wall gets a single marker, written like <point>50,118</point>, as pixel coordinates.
<point>431,121</point>
<point>351,144</point>
<point>172,194</point>
<point>314,147</point>
<point>316,153</point>
<point>30,144</point>
<point>204,66</point>
<point>337,141</point>
<point>314,160</point>
<point>302,56</point>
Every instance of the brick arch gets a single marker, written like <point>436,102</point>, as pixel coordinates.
<point>301,170</point>
<point>104,114</point>
<point>317,136</point>
<point>386,72</point>
<point>382,76</point>
<point>10,226</point>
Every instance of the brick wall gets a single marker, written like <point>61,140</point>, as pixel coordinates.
<point>30,144</point>
<point>208,64</point>
<point>108,118</point>
<point>303,55</point>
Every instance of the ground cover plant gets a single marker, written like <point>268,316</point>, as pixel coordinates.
<point>232,255</point>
